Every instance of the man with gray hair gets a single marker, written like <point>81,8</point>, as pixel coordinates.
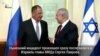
<point>67,32</point>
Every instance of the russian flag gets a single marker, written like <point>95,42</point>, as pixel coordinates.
<point>90,32</point>
<point>12,38</point>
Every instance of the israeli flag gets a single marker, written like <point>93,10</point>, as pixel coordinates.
<point>90,33</point>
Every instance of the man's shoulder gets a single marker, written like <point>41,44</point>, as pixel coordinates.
<point>29,20</point>
<point>73,25</point>
<point>42,21</point>
<point>26,21</point>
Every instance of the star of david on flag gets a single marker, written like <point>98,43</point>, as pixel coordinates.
<point>92,29</point>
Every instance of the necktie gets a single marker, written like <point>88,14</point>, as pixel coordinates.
<point>37,30</point>
<point>59,30</point>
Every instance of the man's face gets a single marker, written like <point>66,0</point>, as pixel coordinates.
<point>37,15</point>
<point>59,17</point>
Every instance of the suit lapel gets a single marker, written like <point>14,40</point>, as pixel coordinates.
<point>33,30</point>
<point>66,28</point>
<point>56,33</point>
<point>63,30</point>
<point>41,29</point>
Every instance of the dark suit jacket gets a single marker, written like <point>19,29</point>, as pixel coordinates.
<point>68,36</point>
<point>28,35</point>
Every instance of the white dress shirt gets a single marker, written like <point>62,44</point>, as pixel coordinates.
<point>64,23</point>
<point>34,25</point>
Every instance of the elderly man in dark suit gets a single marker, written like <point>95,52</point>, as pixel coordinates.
<point>67,32</point>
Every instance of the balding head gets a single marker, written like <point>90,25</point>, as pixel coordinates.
<point>62,15</point>
<point>63,11</point>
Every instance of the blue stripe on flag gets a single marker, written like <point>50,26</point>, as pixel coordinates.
<point>87,6</point>
<point>96,51</point>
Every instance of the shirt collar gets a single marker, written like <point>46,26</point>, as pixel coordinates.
<point>64,23</point>
<point>33,20</point>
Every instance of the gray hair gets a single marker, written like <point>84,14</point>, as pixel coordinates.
<point>64,11</point>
